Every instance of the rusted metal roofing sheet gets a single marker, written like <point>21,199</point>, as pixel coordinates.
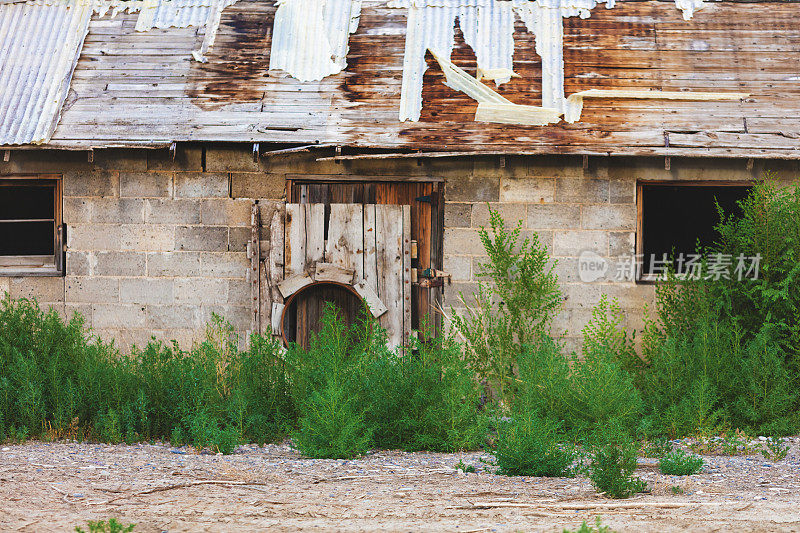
<point>39,46</point>
<point>143,88</point>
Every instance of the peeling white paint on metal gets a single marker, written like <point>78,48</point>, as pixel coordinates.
<point>488,28</point>
<point>39,47</point>
<point>310,38</point>
<point>176,13</point>
<point>688,7</point>
<point>574,106</point>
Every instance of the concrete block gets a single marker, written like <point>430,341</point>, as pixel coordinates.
<point>232,158</point>
<point>201,291</point>
<point>116,210</point>
<point>145,184</point>
<point>531,190</point>
<point>459,267</point>
<point>186,158</point>
<point>622,191</point>
<point>258,185</point>
<point>97,183</point>
<point>125,317</point>
<point>457,215</point>
<point>239,237</point>
<point>78,263</point>
<point>240,293</point>
<point>612,217</point>
<point>511,214</point>
<point>238,316</point>
<point>91,290</point>
<point>120,159</point>
<point>553,216</point>
<point>581,295</point>
<point>581,191</point>
<point>492,167</point>
<point>479,263</point>
<point>44,161</point>
<point>201,238</point>
<point>43,289</point>
<point>621,243</point>
<point>5,283</point>
<point>225,265</point>
<point>168,317</point>
<point>201,185</point>
<point>172,211</point>
<point>148,238</point>
<point>458,241</point>
<point>451,294</point>
<point>631,295</point>
<point>88,237</point>
<point>76,210</point>
<point>566,268</point>
<point>573,243</point>
<point>145,291</point>
<point>83,310</point>
<point>227,212</point>
<point>174,264</point>
<point>473,189</point>
<point>556,166</point>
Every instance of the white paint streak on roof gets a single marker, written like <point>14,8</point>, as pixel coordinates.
<point>39,47</point>
<point>310,38</point>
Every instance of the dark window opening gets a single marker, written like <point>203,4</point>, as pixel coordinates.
<point>30,226</point>
<point>674,218</point>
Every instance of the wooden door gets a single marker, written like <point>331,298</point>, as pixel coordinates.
<point>341,253</point>
<point>425,199</point>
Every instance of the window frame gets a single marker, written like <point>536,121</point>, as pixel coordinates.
<point>38,265</point>
<point>649,279</point>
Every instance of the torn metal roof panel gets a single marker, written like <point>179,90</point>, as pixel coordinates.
<point>175,13</point>
<point>39,46</point>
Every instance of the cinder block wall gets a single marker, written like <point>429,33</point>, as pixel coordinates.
<point>155,245</point>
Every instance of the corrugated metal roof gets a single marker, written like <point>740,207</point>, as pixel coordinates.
<point>175,13</point>
<point>39,47</point>
<point>310,37</point>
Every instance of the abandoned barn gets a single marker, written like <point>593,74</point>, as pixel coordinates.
<point>163,160</point>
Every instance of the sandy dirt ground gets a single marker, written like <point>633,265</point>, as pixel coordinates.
<point>56,486</point>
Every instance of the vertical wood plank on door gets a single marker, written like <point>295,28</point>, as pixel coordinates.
<point>370,249</point>
<point>389,245</point>
<point>345,246</point>
<point>305,237</point>
<point>273,263</point>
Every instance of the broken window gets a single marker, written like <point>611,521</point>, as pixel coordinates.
<point>31,233</point>
<point>674,218</point>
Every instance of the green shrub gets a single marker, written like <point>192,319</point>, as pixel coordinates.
<point>424,398</point>
<point>776,449</point>
<point>328,387</point>
<point>513,309</point>
<point>723,352</point>
<point>679,463</point>
<point>56,381</point>
<point>530,445</point>
<point>111,526</point>
<point>614,459</point>
<point>586,528</point>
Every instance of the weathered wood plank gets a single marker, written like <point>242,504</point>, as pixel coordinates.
<point>345,245</point>
<point>389,243</point>
<point>293,284</point>
<point>333,272</point>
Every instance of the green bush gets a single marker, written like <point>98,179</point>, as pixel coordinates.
<point>57,381</point>
<point>513,309</point>
<point>723,352</point>
<point>679,463</point>
<point>424,398</point>
<point>530,445</point>
<point>110,526</point>
<point>586,528</point>
<point>614,459</point>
